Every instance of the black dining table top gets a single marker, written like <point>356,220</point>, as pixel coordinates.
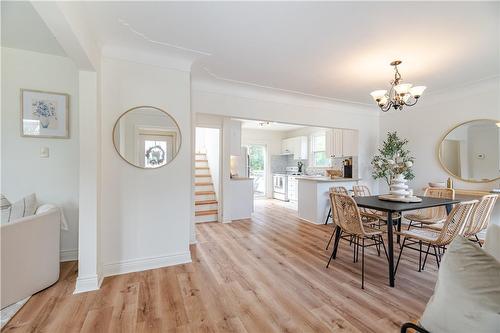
<point>374,202</point>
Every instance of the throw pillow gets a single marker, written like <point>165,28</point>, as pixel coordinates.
<point>5,207</point>
<point>24,207</point>
<point>467,293</point>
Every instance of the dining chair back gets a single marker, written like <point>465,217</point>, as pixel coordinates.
<point>480,216</point>
<point>339,189</point>
<point>361,191</point>
<point>347,213</point>
<point>437,213</point>
<point>455,222</point>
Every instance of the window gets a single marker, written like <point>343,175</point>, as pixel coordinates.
<point>318,150</point>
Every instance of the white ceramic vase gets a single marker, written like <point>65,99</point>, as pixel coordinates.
<point>398,187</point>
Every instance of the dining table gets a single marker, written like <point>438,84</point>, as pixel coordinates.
<point>391,208</point>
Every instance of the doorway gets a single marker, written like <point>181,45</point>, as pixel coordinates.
<point>257,168</point>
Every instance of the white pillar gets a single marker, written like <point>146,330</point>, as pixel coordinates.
<point>89,260</point>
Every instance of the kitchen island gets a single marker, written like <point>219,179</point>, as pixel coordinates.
<point>313,196</point>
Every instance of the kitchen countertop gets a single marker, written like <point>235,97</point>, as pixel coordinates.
<point>327,179</point>
<point>241,178</point>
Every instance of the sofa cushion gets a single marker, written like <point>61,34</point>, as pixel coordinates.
<point>467,294</point>
<point>5,208</point>
<point>19,209</point>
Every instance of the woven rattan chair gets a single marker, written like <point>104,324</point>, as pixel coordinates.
<point>348,219</point>
<point>480,218</point>
<point>331,211</point>
<point>453,225</point>
<point>371,214</point>
<point>335,189</point>
<point>432,215</point>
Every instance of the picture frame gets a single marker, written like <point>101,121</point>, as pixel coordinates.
<point>44,114</point>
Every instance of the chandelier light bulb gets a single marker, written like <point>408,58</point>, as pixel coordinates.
<point>402,88</point>
<point>417,91</point>
<point>378,94</point>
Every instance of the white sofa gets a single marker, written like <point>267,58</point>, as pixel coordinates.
<point>30,255</point>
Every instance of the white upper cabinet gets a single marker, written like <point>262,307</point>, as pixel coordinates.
<point>296,146</point>
<point>341,142</point>
<point>349,142</point>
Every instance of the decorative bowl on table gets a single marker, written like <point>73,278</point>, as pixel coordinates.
<point>334,173</point>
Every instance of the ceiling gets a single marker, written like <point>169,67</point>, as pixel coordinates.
<point>268,125</point>
<point>23,28</point>
<point>337,50</point>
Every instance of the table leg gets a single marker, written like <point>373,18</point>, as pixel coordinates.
<point>390,248</point>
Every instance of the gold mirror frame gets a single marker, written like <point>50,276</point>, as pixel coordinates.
<point>442,163</point>
<point>140,107</point>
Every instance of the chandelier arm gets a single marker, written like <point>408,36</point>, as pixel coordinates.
<point>387,106</point>
<point>411,104</point>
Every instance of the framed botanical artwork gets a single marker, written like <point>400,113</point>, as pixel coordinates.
<point>44,114</point>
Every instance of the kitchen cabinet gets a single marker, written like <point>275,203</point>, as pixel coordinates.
<point>292,188</point>
<point>341,142</point>
<point>296,146</point>
<point>349,142</point>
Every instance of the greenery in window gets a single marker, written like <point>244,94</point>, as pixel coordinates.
<point>256,154</point>
<point>320,159</point>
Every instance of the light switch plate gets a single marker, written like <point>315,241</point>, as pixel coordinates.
<point>44,152</point>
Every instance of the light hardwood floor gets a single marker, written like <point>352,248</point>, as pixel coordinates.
<point>266,274</point>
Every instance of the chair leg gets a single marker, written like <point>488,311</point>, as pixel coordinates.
<point>419,255</point>
<point>363,264</point>
<point>478,241</point>
<point>436,255</point>
<point>399,257</point>
<point>383,245</point>
<point>354,249</point>
<point>328,216</point>
<point>377,245</point>
<point>426,254</point>
<point>335,246</point>
<point>331,237</point>
<point>409,225</point>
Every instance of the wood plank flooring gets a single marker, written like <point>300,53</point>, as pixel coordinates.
<point>266,274</point>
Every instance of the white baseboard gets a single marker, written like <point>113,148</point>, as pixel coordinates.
<point>142,264</point>
<point>226,220</point>
<point>68,255</point>
<point>87,283</point>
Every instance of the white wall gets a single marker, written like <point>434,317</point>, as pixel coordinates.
<point>146,214</point>
<point>54,179</point>
<point>272,141</point>
<point>425,124</point>
<point>250,103</point>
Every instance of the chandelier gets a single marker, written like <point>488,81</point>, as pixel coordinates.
<point>399,95</point>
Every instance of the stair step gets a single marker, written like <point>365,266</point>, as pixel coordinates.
<point>203,184</point>
<point>203,175</point>
<point>204,192</point>
<point>206,212</point>
<point>202,168</point>
<point>205,202</point>
<point>197,160</point>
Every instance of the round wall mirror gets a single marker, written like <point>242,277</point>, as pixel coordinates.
<point>471,151</point>
<point>147,137</point>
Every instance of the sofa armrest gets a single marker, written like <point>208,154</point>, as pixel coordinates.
<point>30,255</point>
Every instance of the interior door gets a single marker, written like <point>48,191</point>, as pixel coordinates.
<point>155,150</point>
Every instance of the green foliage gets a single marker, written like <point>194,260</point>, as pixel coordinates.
<point>256,157</point>
<point>393,159</point>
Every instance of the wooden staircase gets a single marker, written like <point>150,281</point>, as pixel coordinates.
<point>206,206</point>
